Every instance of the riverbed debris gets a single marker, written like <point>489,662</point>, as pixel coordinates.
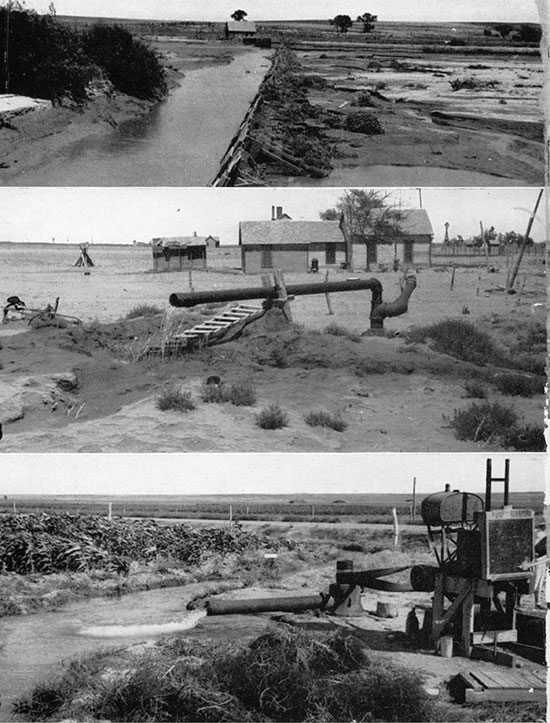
<point>16,310</point>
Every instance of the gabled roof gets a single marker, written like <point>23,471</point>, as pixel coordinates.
<point>283,232</point>
<point>414,222</point>
<point>174,241</point>
<point>241,26</point>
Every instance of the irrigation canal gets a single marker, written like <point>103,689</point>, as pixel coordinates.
<point>180,143</point>
<point>33,646</point>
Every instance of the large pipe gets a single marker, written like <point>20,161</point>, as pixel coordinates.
<point>393,308</point>
<point>222,606</point>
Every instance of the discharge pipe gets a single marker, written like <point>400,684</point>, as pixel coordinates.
<point>379,309</point>
<point>222,606</point>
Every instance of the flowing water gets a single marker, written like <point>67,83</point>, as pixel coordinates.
<point>180,143</point>
<point>31,647</point>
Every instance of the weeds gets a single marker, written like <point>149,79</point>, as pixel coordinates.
<point>361,122</point>
<point>526,439</point>
<point>325,419</point>
<point>483,422</point>
<point>460,339</point>
<point>172,398</point>
<point>472,83</point>
<point>241,395</point>
<point>475,390</point>
<point>145,310</point>
<point>518,385</point>
<point>272,417</point>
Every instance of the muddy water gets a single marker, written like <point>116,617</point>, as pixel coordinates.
<point>180,143</point>
<point>32,647</point>
<point>403,176</point>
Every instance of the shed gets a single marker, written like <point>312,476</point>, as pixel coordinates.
<point>240,29</point>
<point>411,244</point>
<point>175,253</point>
<point>289,245</point>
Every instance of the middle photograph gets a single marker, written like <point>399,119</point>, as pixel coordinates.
<point>272,320</point>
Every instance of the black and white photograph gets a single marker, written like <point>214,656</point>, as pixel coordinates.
<point>273,360</point>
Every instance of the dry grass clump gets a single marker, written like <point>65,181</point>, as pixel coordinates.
<point>241,395</point>
<point>172,398</point>
<point>497,424</point>
<point>326,419</point>
<point>362,122</point>
<point>475,390</point>
<point>461,340</point>
<point>272,417</point>
<point>145,310</point>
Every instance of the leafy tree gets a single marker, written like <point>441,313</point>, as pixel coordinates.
<point>368,21</point>
<point>239,15</point>
<point>342,23</point>
<point>131,66</point>
<point>365,216</point>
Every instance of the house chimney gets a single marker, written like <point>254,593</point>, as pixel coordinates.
<point>273,213</point>
<point>279,212</point>
<point>194,234</point>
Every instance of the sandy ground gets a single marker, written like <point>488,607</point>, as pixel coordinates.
<point>84,389</point>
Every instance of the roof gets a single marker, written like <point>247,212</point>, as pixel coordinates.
<point>281,232</point>
<point>241,26</point>
<point>180,241</point>
<point>415,222</point>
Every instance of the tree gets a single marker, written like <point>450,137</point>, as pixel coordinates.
<point>368,21</point>
<point>342,23</point>
<point>365,216</point>
<point>504,29</point>
<point>239,15</point>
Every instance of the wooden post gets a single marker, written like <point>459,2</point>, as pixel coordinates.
<point>110,511</point>
<point>485,243</point>
<point>230,515</point>
<point>395,527</point>
<point>414,501</point>
<point>283,300</point>
<point>14,508</point>
<point>191,279</point>
<point>478,284</point>
<point>467,622</point>
<point>327,296</point>
<point>515,272</point>
<point>453,276</point>
<point>312,511</point>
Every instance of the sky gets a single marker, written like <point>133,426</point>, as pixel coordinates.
<point>220,10</point>
<point>262,473</point>
<point>122,215</point>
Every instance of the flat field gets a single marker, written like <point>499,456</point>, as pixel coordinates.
<point>87,388</point>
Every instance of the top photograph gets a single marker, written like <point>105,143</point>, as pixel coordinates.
<point>386,94</point>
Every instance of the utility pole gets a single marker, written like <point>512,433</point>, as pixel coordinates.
<point>510,284</point>
<point>414,501</point>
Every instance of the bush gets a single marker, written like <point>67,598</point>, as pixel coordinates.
<point>475,390</point>
<point>364,100</point>
<point>325,419</point>
<point>131,66</point>
<point>472,83</point>
<point>241,395</point>
<point>518,385</point>
<point>143,310</point>
<point>484,422</point>
<point>361,122</point>
<point>526,439</point>
<point>172,398</point>
<point>273,417</point>
<point>460,339</point>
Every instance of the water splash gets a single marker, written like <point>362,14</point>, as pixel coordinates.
<point>126,631</point>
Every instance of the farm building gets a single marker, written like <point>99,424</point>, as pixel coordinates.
<point>289,245</point>
<point>175,253</point>
<point>240,29</point>
<point>412,243</point>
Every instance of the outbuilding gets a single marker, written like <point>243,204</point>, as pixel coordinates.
<point>411,244</point>
<point>290,245</point>
<point>176,253</point>
<point>240,29</point>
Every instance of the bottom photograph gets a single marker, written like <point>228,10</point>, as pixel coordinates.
<point>396,587</point>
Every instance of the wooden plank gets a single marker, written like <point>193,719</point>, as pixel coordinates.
<point>499,657</point>
<point>500,695</point>
<point>501,636</point>
<point>486,680</point>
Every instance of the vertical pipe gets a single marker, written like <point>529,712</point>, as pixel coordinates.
<point>506,480</point>
<point>488,480</point>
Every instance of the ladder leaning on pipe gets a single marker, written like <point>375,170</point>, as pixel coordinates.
<point>279,294</point>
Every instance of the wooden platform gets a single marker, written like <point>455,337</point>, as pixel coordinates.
<point>525,684</point>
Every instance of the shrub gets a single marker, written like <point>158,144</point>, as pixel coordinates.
<point>518,385</point>
<point>215,393</point>
<point>526,439</point>
<point>273,417</point>
<point>337,330</point>
<point>172,398</point>
<point>242,395</point>
<point>460,339</point>
<point>143,310</point>
<point>361,122</point>
<point>278,356</point>
<point>483,422</point>
<point>472,83</point>
<point>325,419</point>
<point>475,390</point>
<point>364,100</point>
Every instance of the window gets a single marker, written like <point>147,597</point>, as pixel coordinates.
<point>331,253</point>
<point>267,257</point>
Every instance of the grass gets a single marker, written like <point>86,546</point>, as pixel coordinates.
<point>461,340</point>
<point>336,330</point>
<point>241,395</point>
<point>176,400</point>
<point>475,390</point>
<point>143,310</point>
<point>272,417</point>
<point>472,83</point>
<point>326,419</point>
<point>518,385</point>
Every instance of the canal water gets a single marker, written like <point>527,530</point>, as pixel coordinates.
<point>32,647</point>
<point>180,143</point>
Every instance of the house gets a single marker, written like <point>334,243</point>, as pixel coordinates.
<point>411,244</point>
<point>289,245</point>
<point>175,253</point>
<point>212,242</point>
<point>240,29</point>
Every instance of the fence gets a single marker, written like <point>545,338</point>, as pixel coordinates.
<point>447,251</point>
